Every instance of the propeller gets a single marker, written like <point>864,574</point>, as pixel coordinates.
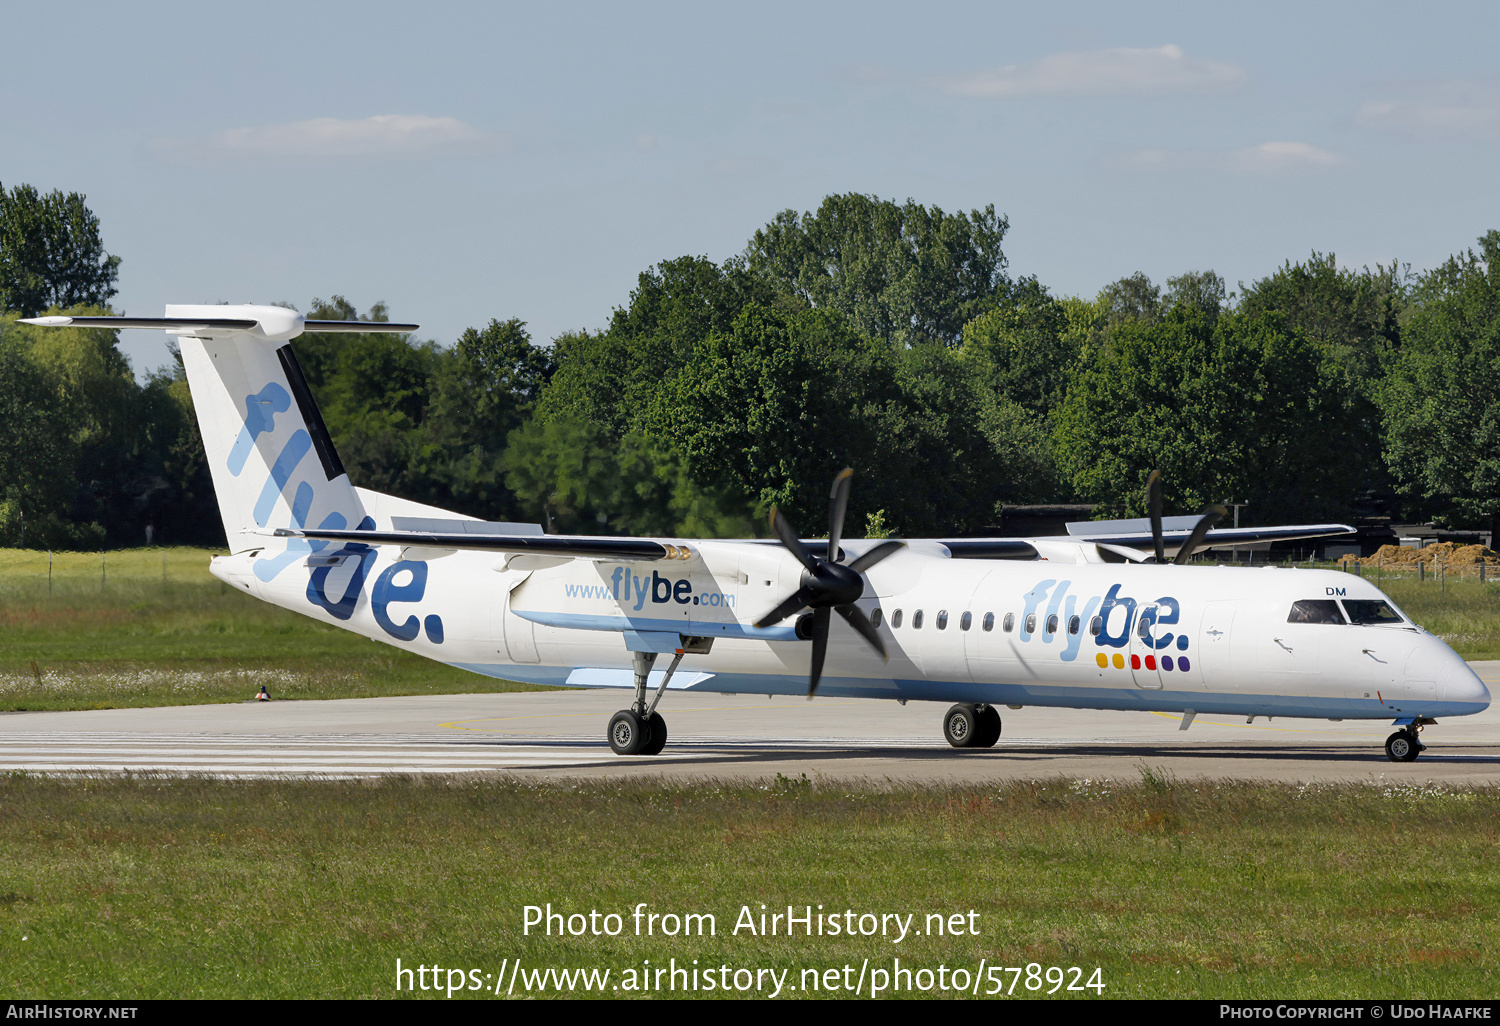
<point>1210,516</point>
<point>827,586</point>
<point>1153,509</point>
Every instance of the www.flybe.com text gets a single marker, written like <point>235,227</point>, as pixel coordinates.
<point>634,592</point>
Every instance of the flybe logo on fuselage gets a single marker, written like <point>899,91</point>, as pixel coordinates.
<point>1052,614</point>
<point>634,592</point>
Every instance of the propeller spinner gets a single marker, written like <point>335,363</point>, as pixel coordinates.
<point>828,586</point>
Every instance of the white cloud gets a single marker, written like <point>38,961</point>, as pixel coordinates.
<point>385,135</point>
<point>1280,156</point>
<point>1264,158</point>
<point>1451,110</point>
<point>1115,72</point>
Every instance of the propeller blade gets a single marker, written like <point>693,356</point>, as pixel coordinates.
<point>786,609</point>
<point>838,505</point>
<point>789,540</point>
<point>1211,516</point>
<point>1123,553</point>
<point>862,624</point>
<point>1153,509</point>
<point>875,555</point>
<point>819,650</point>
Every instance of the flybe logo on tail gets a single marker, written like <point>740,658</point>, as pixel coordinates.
<point>401,582</point>
<point>634,592</point>
<point>260,418</point>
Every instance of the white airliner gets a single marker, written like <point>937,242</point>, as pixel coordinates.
<point>1084,621</point>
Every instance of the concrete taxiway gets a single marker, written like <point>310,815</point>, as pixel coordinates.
<point>560,734</point>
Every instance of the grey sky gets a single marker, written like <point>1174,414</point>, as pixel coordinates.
<point>463,162</point>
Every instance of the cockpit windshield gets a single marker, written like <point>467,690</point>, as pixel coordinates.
<point>1315,611</point>
<point>1371,611</point>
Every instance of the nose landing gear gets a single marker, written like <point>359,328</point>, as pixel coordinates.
<point>1403,746</point>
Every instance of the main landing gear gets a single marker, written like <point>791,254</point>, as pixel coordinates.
<point>640,730</point>
<point>972,726</point>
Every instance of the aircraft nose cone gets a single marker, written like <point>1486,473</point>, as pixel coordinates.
<point>1461,684</point>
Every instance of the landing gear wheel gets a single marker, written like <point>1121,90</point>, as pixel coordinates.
<point>658,730</point>
<point>960,726</point>
<point>628,734</point>
<point>1402,746</point>
<point>987,732</point>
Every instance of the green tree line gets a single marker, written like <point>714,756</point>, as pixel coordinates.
<point>883,336</point>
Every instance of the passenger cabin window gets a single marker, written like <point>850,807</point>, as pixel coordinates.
<point>989,621</point>
<point>1052,624</point>
<point>896,619</point>
<point>1370,611</point>
<point>1010,623</point>
<point>1096,625</point>
<point>875,617</point>
<point>916,620</point>
<point>1031,623</point>
<point>966,621</point>
<point>1073,624</point>
<point>942,619</point>
<point>1315,611</point>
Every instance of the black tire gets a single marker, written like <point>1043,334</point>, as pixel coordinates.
<point>988,724</point>
<point>960,726</point>
<point>628,735</point>
<point>1402,746</point>
<point>658,729</point>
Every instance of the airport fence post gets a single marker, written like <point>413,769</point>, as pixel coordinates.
<point>1421,571</point>
<point>49,573</point>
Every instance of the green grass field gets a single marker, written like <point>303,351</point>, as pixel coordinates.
<point>1465,614</point>
<point>145,888</point>
<point>152,887</point>
<point>154,628</point>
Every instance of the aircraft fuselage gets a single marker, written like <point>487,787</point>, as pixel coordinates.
<point>1083,634</point>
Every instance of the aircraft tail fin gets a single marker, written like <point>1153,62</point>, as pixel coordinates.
<point>268,451</point>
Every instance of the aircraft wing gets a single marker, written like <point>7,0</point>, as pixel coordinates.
<point>1218,538</point>
<point>570,546</point>
<point>608,547</point>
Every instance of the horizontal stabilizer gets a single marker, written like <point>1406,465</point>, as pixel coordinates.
<point>274,323</point>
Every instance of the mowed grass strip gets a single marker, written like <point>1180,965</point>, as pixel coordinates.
<point>1464,613</point>
<point>150,627</point>
<point>144,888</point>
